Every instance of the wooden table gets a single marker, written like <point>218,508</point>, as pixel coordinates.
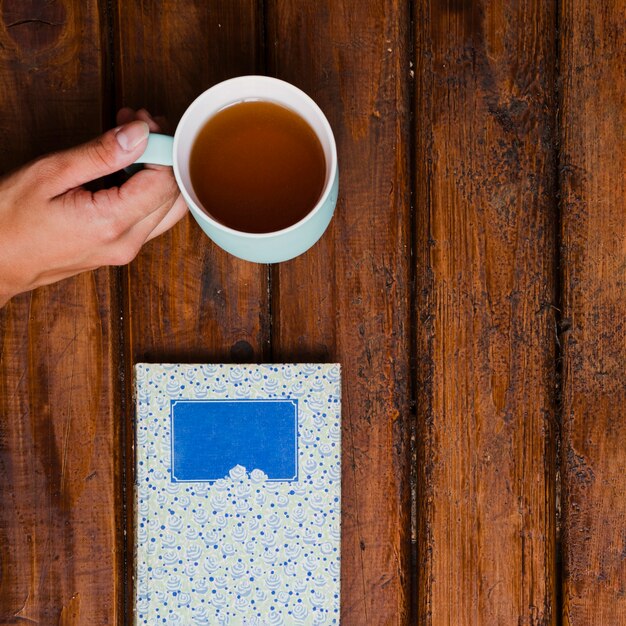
<point>472,284</point>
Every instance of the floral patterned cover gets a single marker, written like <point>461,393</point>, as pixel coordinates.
<point>241,549</point>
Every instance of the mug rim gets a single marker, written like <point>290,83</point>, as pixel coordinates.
<point>328,186</point>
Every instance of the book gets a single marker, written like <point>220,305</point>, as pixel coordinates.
<point>237,494</point>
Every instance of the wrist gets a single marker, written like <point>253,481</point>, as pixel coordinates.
<point>6,292</point>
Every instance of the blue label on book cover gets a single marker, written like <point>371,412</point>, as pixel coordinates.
<point>209,437</point>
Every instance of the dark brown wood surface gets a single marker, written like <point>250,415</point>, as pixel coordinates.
<point>592,166</point>
<point>472,284</point>
<point>486,283</point>
<point>186,298</point>
<point>347,300</point>
<point>60,516</point>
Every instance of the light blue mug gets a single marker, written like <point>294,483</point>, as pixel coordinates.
<point>271,247</point>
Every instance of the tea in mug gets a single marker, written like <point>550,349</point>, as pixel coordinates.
<point>257,167</point>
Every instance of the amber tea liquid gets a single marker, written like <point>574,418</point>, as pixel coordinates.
<point>257,167</point>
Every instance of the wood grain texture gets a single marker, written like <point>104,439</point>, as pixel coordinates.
<point>471,311</point>
<point>59,523</point>
<point>347,298</point>
<point>485,287</point>
<point>186,300</point>
<point>189,300</point>
<point>593,191</point>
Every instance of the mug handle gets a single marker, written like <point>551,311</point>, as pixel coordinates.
<point>159,151</point>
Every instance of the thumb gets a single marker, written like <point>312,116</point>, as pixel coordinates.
<point>111,152</point>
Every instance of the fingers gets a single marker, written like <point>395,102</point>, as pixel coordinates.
<point>124,116</point>
<point>109,153</point>
<point>144,116</point>
<point>173,216</point>
<point>155,224</point>
<point>145,192</point>
<point>117,222</point>
<point>126,248</point>
<point>127,114</point>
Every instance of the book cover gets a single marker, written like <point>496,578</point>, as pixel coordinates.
<point>237,494</point>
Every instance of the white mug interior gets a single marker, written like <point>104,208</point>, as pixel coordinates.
<point>242,89</point>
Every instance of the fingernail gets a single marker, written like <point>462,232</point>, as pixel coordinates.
<point>131,135</point>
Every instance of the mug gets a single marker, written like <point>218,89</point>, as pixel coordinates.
<point>272,247</point>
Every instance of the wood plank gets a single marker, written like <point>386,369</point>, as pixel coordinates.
<point>593,192</point>
<point>189,300</point>
<point>347,298</point>
<point>485,287</point>
<point>185,299</point>
<point>59,525</point>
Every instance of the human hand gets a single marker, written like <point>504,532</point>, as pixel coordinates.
<point>52,228</point>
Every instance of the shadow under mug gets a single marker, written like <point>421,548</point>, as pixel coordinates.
<point>272,247</point>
